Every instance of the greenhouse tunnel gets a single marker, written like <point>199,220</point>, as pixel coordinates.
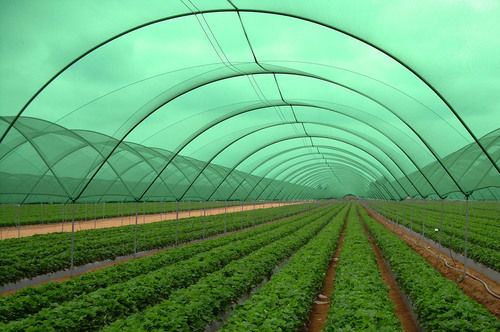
<point>248,100</point>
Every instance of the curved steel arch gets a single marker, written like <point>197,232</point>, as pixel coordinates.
<point>345,161</point>
<point>282,73</point>
<point>262,12</point>
<point>302,136</point>
<point>317,146</point>
<point>365,169</point>
<point>282,163</point>
<point>311,176</point>
<point>274,104</point>
<point>279,124</point>
<point>303,173</point>
<point>419,170</point>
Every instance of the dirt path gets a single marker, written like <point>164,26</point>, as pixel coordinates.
<point>80,225</point>
<point>319,312</point>
<point>473,288</point>
<point>116,262</point>
<point>401,309</point>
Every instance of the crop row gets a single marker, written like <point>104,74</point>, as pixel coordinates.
<point>484,249</point>
<point>439,303</point>
<point>33,299</point>
<point>360,300</point>
<point>283,303</point>
<point>193,308</point>
<point>29,214</point>
<point>39,254</point>
<point>96,309</point>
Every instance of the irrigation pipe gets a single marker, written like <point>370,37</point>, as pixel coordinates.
<point>454,268</point>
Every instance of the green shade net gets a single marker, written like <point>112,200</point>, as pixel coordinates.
<point>248,100</point>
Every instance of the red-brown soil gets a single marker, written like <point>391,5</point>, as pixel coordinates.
<point>473,288</point>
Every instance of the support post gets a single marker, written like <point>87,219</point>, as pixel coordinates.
<point>72,237</point>
<point>121,213</point>
<point>18,220</point>
<point>423,221</point>
<point>225,218</point>
<point>204,219</point>
<point>441,229</point>
<point>63,216</point>
<point>241,219</point>
<point>95,215</point>
<point>466,233</point>
<point>41,212</point>
<point>176,222</point>
<point>135,228</point>
<point>144,212</point>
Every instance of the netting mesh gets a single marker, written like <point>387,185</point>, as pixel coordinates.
<point>248,100</point>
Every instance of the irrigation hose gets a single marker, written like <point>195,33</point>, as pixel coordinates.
<point>452,267</point>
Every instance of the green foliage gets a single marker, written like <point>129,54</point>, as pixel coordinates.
<point>192,308</point>
<point>439,303</point>
<point>31,256</point>
<point>95,309</point>
<point>360,300</point>
<point>484,231</point>
<point>284,303</point>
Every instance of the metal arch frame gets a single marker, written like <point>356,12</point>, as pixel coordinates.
<point>364,167</point>
<point>309,178</point>
<point>346,160</point>
<point>299,122</point>
<point>187,160</point>
<point>79,137</point>
<point>309,181</point>
<point>282,124</point>
<point>364,176</point>
<point>313,180</point>
<point>325,137</point>
<point>303,173</point>
<point>274,104</point>
<point>237,10</point>
<point>317,146</point>
<point>262,73</point>
<point>282,163</point>
<point>300,75</point>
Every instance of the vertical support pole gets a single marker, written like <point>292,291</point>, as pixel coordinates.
<point>241,219</point>
<point>18,220</point>
<point>135,228</point>
<point>176,222</point>
<point>403,215</point>
<point>103,208</point>
<point>189,209</point>
<point>204,219</point>
<point>466,233</point>
<point>144,212</point>
<point>225,218</point>
<point>72,236</point>
<point>441,229</point>
<point>85,212</point>
<point>121,213</point>
<point>423,221</point>
<point>95,215</point>
<point>41,212</point>
<point>63,216</point>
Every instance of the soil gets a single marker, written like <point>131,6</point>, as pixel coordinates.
<point>160,250</point>
<point>29,230</point>
<point>319,312</point>
<point>473,288</point>
<point>400,307</point>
